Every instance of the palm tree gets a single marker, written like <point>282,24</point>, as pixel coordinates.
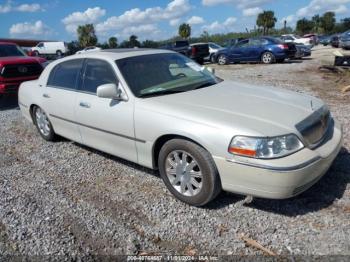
<point>133,42</point>
<point>87,35</point>
<point>185,30</point>
<point>112,42</point>
<point>266,20</point>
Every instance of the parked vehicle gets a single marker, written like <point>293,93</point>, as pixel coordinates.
<point>335,41</point>
<point>164,111</point>
<point>344,41</point>
<point>16,67</point>
<point>265,49</point>
<point>313,37</point>
<point>290,38</point>
<point>325,40</point>
<point>213,48</point>
<point>89,49</point>
<point>50,48</point>
<point>198,52</point>
<point>302,51</point>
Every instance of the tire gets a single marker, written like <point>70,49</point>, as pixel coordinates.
<point>43,124</point>
<point>36,53</point>
<point>222,60</point>
<point>200,61</point>
<point>267,58</point>
<point>212,59</point>
<point>59,53</point>
<point>196,182</point>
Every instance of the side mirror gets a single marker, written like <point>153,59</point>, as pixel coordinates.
<point>111,91</point>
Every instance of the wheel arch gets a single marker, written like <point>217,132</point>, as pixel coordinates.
<point>160,141</point>
<point>31,112</point>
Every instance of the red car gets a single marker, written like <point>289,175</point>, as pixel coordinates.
<point>16,67</point>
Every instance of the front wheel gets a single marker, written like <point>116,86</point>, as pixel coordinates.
<point>267,58</point>
<point>212,58</point>
<point>36,53</point>
<point>59,53</point>
<point>43,124</point>
<point>222,60</point>
<point>189,172</point>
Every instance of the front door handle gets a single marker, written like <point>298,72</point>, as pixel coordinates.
<point>84,104</point>
<point>46,96</point>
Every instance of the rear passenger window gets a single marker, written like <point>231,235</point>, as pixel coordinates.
<point>97,72</point>
<point>65,74</point>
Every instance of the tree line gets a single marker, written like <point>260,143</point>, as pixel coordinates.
<point>265,25</point>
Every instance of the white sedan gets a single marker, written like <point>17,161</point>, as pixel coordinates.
<point>163,111</point>
<point>89,49</point>
<point>290,38</point>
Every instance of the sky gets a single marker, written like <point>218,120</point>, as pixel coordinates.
<point>149,19</point>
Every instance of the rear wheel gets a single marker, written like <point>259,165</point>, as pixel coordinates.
<point>267,58</point>
<point>189,172</point>
<point>43,124</point>
<point>222,60</point>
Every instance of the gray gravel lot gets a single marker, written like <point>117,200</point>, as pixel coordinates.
<point>66,199</point>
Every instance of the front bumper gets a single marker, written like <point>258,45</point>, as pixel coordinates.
<point>9,88</point>
<point>279,178</point>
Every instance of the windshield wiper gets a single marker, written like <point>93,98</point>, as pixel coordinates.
<point>163,92</point>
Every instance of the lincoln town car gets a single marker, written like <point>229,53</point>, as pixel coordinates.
<point>161,110</point>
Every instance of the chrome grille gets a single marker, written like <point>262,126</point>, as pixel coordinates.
<point>314,127</point>
<point>21,70</point>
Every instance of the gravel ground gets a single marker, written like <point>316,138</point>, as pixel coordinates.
<point>66,199</point>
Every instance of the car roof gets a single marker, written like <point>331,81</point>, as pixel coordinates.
<point>120,53</point>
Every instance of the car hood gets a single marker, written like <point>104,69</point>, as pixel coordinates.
<point>10,60</point>
<point>239,107</point>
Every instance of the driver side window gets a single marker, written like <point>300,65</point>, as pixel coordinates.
<point>97,72</point>
<point>243,43</point>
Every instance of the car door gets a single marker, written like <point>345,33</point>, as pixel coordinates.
<point>104,123</point>
<point>59,98</point>
<point>251,51</point>
<point>237,51</point>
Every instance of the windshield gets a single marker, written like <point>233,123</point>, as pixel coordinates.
<point>159,74</point>
<point>215,46</point>
<point>10,50</point>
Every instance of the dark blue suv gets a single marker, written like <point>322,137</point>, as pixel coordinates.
<point>260,49</point>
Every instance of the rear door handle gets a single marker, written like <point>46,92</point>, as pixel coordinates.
<point>84,104</point>
<point>46,96</point>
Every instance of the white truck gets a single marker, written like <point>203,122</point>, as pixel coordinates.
<point>50,48</point>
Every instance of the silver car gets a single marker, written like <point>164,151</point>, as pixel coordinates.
<point>163,111</point>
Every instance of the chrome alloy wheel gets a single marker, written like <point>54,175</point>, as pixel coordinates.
<point>42,122</point>
<point>184,173</point>
<point>267,58</point>
<point>222,60</point>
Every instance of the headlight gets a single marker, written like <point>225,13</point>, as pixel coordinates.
<point>265,147</point>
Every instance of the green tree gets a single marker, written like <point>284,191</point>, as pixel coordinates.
<point>133,42</point>
<point>304,26</point>
<point>316,19</point>
<point>328,22</point>
<point>266,20</point>
<point>185,30</point>
<point>86,35</point>
<point>113,42</point>
<point>150,44</point>
<point>345,22</point>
